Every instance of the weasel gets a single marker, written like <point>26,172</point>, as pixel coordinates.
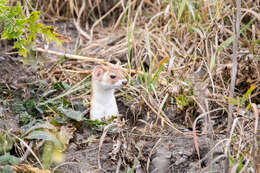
<point>105,79</point>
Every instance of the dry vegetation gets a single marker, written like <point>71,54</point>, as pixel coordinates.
<point>178,55</point>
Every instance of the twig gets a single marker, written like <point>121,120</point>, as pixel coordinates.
<point>79,72</point>
<point>101,143</point>
<point>257,139</point>
<point>100,19</point>
<point>83,33</point>
<point>27,152</point>
<point>150,154</point>
<point>77,22</point>
<point>29,149</point>
<point>119,20</point>
<point>234,73</point>
<point>163,116</point>
<point>89,59</point>
<point>118,165</point>
<point>70,56</point>
<point>160,109</point>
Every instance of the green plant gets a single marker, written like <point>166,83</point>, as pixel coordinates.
<point>56,141</point>
<point>228,41</point>
<point>7,158</point>
<point>150,79</point>
<point>6,143</point>
<point>240,101</point>
<point>183,101</point>
<point>6,169</point>
<point>22,28</point>
<point>237,162</point>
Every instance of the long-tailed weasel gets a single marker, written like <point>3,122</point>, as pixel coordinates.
<point>105,79</point>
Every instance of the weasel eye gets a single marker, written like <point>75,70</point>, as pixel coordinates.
<point>112,76</point>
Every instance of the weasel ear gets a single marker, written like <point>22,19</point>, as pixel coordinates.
<point>98,71</point>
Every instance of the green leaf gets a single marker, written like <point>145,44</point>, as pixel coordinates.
<point>231,39</point>
<point>157,73</point>
<point>47,154</point>
<point>6,169</point>
<point>182,7</point>
<point>39,134</point>
<point>95,123</point>
<point>225,43</point>
<point>191,8</point>
<point>3,2</point>
<point>233,101</point>
<point>19,44</point>
<point>19,11</point>
<point>248,92</point>
<point>248,107</point>
<point>15,25</point>
<point>6,143</point>
<point>7,158</point>
<point>182,101</point>
<point>58,85</point>
<point>45,125</point>
<point>75,115</point>
<point>240,101</point>
<point>34,16</point>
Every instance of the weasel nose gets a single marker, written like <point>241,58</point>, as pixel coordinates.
<point>124,82</point>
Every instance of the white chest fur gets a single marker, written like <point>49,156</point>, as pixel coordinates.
<point>103,103</point>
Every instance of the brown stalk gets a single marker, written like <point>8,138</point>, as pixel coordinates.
<point>257,139</point>
<point>233,74</point>
<point>89,59</point>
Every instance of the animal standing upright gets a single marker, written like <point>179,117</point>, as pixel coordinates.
<point>105,79</point>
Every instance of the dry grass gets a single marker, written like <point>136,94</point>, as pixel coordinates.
<point>192,43</point>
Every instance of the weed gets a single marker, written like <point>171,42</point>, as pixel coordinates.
<point>15,25</point>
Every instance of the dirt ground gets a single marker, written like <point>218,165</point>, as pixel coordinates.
<point>160,153</point>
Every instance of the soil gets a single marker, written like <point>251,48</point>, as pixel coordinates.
<point>174,154</point>
<point>168,152</point>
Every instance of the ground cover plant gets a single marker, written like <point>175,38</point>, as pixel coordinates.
<point>191,103</point>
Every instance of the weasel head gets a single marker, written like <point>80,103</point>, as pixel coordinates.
<point>108,77</point>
